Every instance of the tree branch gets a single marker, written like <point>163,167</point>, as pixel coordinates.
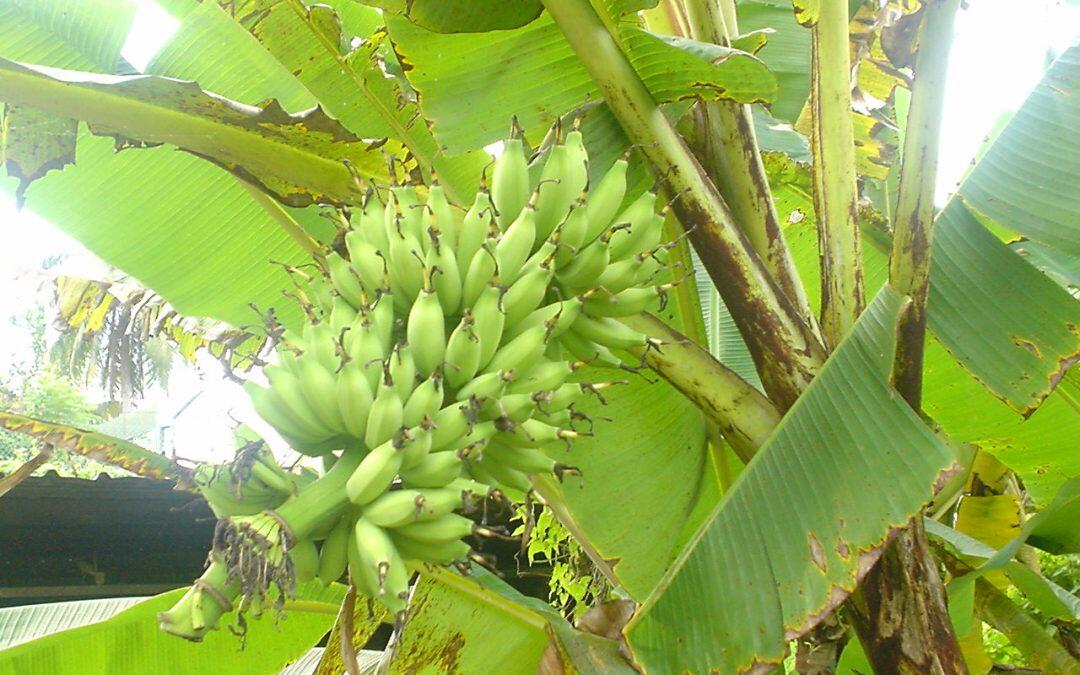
<point>835,192</point>
<point>99,447</point>
<point>730,155</point>
<point>742,413</point>
<point>913,224</point>
<point>784,348</point>
<point>23,472</point>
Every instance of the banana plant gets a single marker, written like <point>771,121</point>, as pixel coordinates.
<point>737,199</point>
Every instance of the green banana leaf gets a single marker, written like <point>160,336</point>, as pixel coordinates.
<point>300,159</point>
<point>98,446</point>
<point>1026,181</point>
<point>29,622</point>
<point>470,85</point>
<point>793,535</point>
<point>314,45</point>
<point>131,642</point>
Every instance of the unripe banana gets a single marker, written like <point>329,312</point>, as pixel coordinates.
<point>386,416</point>
<point>544,376</point>
<point>532,433</point>
<point>426,551</point>
<point>451,423</point>
<point>408,211</point>
<point>345,282</point>
<point>586,266</point>
<point>524,459</point>
<point>272,408</point>
<point>625,303</point>
<point>510,181</point>
<point>512,482</point>
<point>588,351</point>
<point>366,261</point>
<point>415,446</point>
<point>342,315</point>
<point>445,278</point>
<point>644,227</point>
<point>320,388</point>
<point>573,176</point>
<point>334,554</point>
<point>481,273</point>
<point>366,352</point>
<point>381,316</point>
<point>424,401</point>
<point>436,470</point>
<point>363,576</point>
<point>462,358</point>
<point>447,218</point>
<point>373,553</point>
<point>425,331</point>
<point>520,352</point>
<point>305,559</point>
<point>488,385</point>
<point>515,407</point>
<point>401,507</point>
<point>286,388</point>
<point>473,232</point>
<point>526,293</point>
<point>515,245</point>
<point>556,318</point>
<point>321,342</point>
<point>355,397</point>
<point>371,223</point>
<point>573,232</point>
<point>489,321</point>
<point>605,200</point>
<point>449,527</point>
<point>406,269</point>
<point>608,332</point>
<point>375,473</point>
<point>402,369</point>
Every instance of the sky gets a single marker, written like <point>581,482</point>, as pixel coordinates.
<point>998,55</point>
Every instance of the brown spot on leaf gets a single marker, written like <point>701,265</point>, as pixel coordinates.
<point>817,552</point>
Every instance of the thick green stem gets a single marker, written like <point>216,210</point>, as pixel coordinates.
<point>913,225</point>
<point>322,502</point>
<point>835,192</point>
<point>1041,650</point>
<point>729,152</point>
<point>906,627</point>
<point>742,413</point>
<point>785,349</point>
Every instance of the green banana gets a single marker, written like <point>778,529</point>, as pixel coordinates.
<point>462,357</point>
<point>526,293</point>
<point>425,331</point>
<point>305,559</point>
<point>474,229</point>
<point>436,470</point>
<point>401,507</point>
<point>604,201</point>
<point>355,398</point>
<point>510,181</point>
<point>489,321</point>
<point>345,282</point>
<point>515,245</point>
<point>608,332</point>
<point>481,273</point>
<point>521,351</point>
<point>374,474</point>
<point>386,416</point>
<point>446,528</point>
<point>333,556</point>
<point>427,551</point>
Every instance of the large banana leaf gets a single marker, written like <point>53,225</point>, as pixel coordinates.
<point>300,158</point>
<point>791,538</point>
<point>22,624</point>
<point>131,642</point>
<point>470,85</point>
<point>98,446</point>
<point>787,52</point>
<point>1026,181</point>
<point>640,476</point>
<point>315,45</point>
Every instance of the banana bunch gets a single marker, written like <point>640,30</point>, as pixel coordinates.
<point>252,483</point>
<point>434,368</point>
